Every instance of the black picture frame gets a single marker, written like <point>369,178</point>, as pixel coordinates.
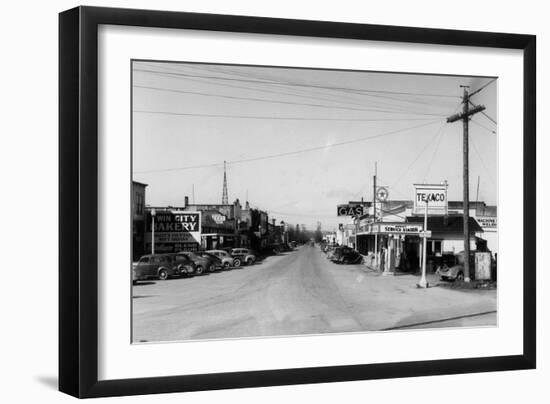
<point>78,201</point>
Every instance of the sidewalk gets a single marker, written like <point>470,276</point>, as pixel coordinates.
<point>394,301</point>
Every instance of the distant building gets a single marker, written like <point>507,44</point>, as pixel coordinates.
<point>242,227</point>
<point>138,219</point>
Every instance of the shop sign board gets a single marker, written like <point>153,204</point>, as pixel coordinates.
<point>172,247</point>
<point>401,228</point>
<point>435,195</point>
<point>351,210</point>
<point>174,229</point>
<point>487,223</point>
<point>218,218</point>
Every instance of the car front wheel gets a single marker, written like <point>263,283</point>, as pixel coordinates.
<point>163,274</point>
<point>212,268</point>
<point>237,262</point>
<point>226,265</point>
<point>460,276</point>
<point>199,270</point>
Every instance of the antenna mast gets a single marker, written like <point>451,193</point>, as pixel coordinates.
<point>225,199</point>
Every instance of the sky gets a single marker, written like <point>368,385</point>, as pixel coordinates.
<point>299,142</point>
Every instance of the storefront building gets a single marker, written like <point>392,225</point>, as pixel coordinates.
<point>391,238</point>
<point>138,219</point>
<point>218,231</point>
<point>447,236</point>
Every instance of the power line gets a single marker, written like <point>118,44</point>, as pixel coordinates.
<point>434,154</point>
<point>290,153</point>
<point>280,117</point>
<point>400,178</point>
<point>309,215</point>
<point>263,90</point>
<point>196,78</point>
<point>279,101</point>
<point>347,91</point>
<point>488,117</point>
<point>482,162</point>
<point>481,88</point>
<point>483,126</point>
<point>341,88</point>
<point>393,189</point>
<point>483,113</point>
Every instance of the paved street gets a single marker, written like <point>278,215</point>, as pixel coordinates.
<point>299,292</point>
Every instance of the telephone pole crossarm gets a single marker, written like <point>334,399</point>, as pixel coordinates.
<point>462,115</point>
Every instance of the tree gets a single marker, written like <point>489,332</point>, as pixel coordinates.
<point>318,236</point>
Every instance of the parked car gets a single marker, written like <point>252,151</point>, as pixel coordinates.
<point>346,255</point>
<point>445,260</point>
<point>227,260</point>
<point>184,265</point>
<point>275,248</point>
<point>215,259</point>
<point>452,267</point>
<point>134,277</point>
<point>201,263</point>
<point>244,255</point>
<point>456,272</point>
<point>329,251</point>
<point>161,266</point>
<point>286,247</point>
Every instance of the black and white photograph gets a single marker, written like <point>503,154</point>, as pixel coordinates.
<point>274,201</point>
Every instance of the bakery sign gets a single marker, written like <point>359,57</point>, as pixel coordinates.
<point>173,226</point>
<point>430,196</point>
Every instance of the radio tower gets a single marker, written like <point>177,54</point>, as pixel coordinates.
<point>225,199</point>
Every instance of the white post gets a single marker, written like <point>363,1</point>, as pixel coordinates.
<point>376,251</point>
<point>423,283</point>
<point>153,212</point>
<point>387,257</point>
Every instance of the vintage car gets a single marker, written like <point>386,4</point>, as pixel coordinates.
<point>202,263</point>
<point>244,255</point>
<point>227,261</point>
<point>161,266</point>
<point>329,251</point>
<point>346,255</point>
<point>455,272</point>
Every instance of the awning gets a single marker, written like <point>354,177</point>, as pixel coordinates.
<point>446,224</point>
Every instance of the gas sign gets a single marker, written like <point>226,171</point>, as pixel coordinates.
<point>431,196</point>
<point>351,210</point>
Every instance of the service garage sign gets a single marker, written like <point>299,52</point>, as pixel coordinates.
<point>434,195</point>
<point>174,230</point>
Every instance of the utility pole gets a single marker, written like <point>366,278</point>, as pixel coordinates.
<point>465,117</point>
<point>477,193</point>
<point>374,216</point>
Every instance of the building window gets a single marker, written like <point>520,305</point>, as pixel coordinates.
<point>139,203</point>
<point>433,247</point>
